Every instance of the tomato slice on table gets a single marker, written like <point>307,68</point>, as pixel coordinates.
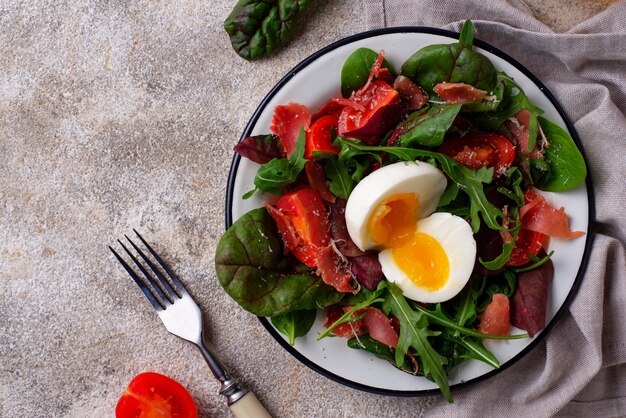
<point>320,136</point>
<point>481,149</point>
<point>153,395</point>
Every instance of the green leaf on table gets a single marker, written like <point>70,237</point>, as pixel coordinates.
<point>295,323</point>
<point>567,165</point>
<point>258,27</point>
<point>252,268</point>
<point>414,334</point>
<point>356,70</point>
<point>426,127</point>
<point>452,63</point>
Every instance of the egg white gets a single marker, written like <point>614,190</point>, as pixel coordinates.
<point>455,236</point>
<point>425,180</point>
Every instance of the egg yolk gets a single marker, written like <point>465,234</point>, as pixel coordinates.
<point>393,221</point>
<point>424,260</point>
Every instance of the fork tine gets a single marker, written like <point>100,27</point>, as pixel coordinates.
<point>159,290</point>
<point>166,286</point>
<point>146,291</point>
<point>169,272</point>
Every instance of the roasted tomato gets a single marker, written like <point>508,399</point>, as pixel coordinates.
<point>303,224</point>
<point>151,395</point>
<point>320,136</point>
<point>481,149</point>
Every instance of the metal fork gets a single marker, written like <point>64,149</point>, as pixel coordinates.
<point>182,317</point>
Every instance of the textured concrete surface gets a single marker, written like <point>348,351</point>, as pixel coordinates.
<point>117,115</point>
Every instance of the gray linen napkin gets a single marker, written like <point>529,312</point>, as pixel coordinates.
<point>580,368</point>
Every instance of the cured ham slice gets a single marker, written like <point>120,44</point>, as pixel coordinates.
<point>374,323</point>
<point>334,270</point>
<point>287,122</point>
<point>518,126</point>
<point>539,216</point>
<point>496,319</point>
<point>459,93</point>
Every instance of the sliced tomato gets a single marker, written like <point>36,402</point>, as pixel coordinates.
<point>528,243</point>
<point>152,395</point>
<point>320,136</point>
<point>496,319</point>
<point>382,111</point>
<point>304,211</point>
<point>481,149</point>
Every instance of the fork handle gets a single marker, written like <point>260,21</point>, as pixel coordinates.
<point>249,407</point>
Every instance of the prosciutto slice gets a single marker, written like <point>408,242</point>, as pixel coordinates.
<point>374,323</point>
<point>287,122</point>
<point>539,216</point>
<point>459,93</point>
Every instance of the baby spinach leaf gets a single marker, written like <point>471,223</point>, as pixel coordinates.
<point>414,334</point>
<point>295,323</point>
<point>567,166</point>
<point>426,127</point>
<point>452,63</point>
<point>468,180</point>
<point>273,176</point>
<point>356,70</point>
<point>258,27</point>
<point>251,266</point>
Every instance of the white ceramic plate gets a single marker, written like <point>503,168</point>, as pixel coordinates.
<point>312,83</point>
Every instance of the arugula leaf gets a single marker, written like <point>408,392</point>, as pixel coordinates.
<point>258,27</point>
<point>295,324</point>
<point>348,316</point>
<point>567,165</point>
<point>468,180</point>
<point>273,176</point>
<point>381,350</point>
<point>414,334</point>
<point>426,126</point>
<point>252,268</point>
<point>341,182</point>
<point>356,70</point>
<point>537,262</point>
<point>453,63</point>
<point>474,349</point>
<point>438,317</point>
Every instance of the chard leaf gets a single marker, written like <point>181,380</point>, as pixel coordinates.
<point>273,176</point>
<point>414,334</point>
<point>356,70</point>
<point>260,148</point>
<point>295,323</point>
<point>469,181</point>
<point>426,127</point>
<point>452,63</point>
<point>258,27</point>
<point>567,166</point>
<point>252,268</point>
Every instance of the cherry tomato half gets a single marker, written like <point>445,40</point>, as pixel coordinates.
<point>320,136</point>
<point>304,211</point>
<point>481,149</point>
<point>151,395</point>
<point>528,243</point>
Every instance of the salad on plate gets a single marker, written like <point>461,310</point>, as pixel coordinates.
<point>410,210</point>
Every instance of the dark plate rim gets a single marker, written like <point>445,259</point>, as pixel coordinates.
<point>590,197</point>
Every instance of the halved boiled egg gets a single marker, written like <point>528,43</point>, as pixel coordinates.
<point>384,207</point>
<point>429,256</point>
<point>435,262</point>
